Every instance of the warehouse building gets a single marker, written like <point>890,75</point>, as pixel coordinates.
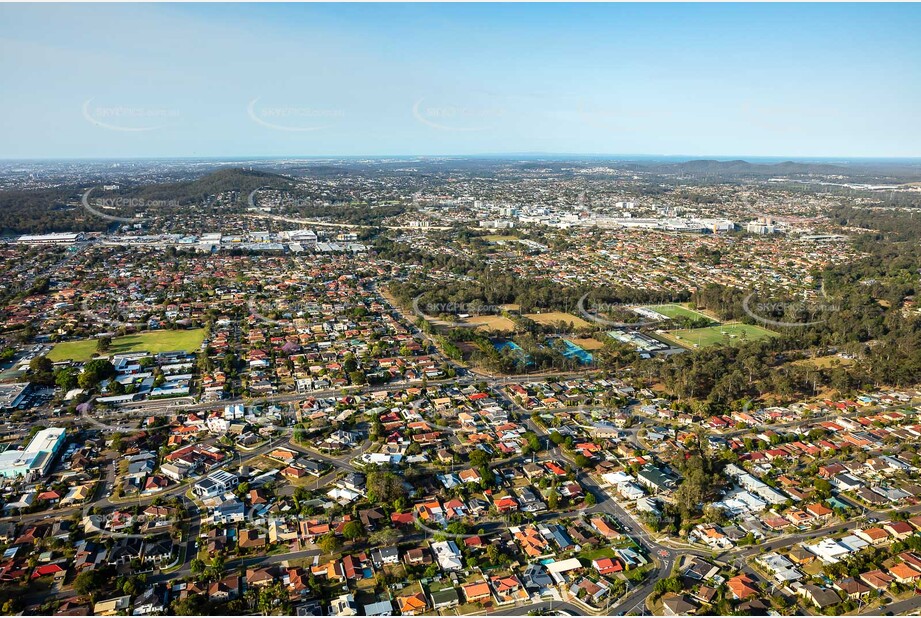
<point>35,460</point>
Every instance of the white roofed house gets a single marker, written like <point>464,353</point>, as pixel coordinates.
<point>218,424</point>
<point>647,505</point>
<point>630,491</point>
<point>152,601</point>
<point>783,569</point>
<point>112,607</point>
<point>344,606</point>
<point>379,608</point>
<point>215,484</point>
<point>448,555</point>
<point>560,568</point>
<point>23,502</point>
<point>341,439</point>
<point>617,478</point>
<point>385,555</point>
<point>234,411</point>
<point>828,550</point>
<point>846,482</point>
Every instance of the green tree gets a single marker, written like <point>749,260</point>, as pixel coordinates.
<point>88,582</point>
<point>41,370</point>
<point>94,372</point>
<point>822,489</point>
<point>329,543</point>
<point>352,530</point>
<point>192,605</point>
<point>384,487</point>
<point>384,537</point>
<point>66,379</point>
<point>479,458</point>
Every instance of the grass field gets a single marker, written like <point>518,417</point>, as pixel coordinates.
<point>557,316</point>
<point>587,343</point>
<point>498,238</point>
<point>712,335</point>
<point>598,554</point>
<point>491,322</point>
<point>154,341</point>
<point>824,362</point>
<point>678,311</point>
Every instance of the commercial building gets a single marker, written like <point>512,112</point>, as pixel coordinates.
<point>35,460</point>
<point>57,238</point>
<point>11,395</point>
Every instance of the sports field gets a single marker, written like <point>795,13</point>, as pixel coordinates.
<point>153,342</point>
<point>587,343</point>
<point>677,311</point>
<point>711,335</point>
<point>491,322</point>
<point>552,317</point>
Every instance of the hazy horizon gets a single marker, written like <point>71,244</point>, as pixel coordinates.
<point>784,81</point>
<point>626,158</point>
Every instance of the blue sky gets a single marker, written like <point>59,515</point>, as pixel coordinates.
<point>788,80</point>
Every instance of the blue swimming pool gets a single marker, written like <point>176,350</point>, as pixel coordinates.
<point>508,345</point>
<point>514,348</point>
<point>571,350</point>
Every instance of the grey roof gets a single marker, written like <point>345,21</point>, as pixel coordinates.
<point>445,595</point>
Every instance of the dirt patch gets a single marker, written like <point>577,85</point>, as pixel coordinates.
<point>552,317</point>
<point>587,343</point>
<point>491,322</point>
<point>823,362</point>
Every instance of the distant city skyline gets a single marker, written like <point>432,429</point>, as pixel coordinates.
<point>795,81</point>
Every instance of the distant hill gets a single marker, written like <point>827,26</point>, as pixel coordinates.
<point>744,168</point>
<point>195,191</point>
<point>58,209</point>
<point>44,210</point>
